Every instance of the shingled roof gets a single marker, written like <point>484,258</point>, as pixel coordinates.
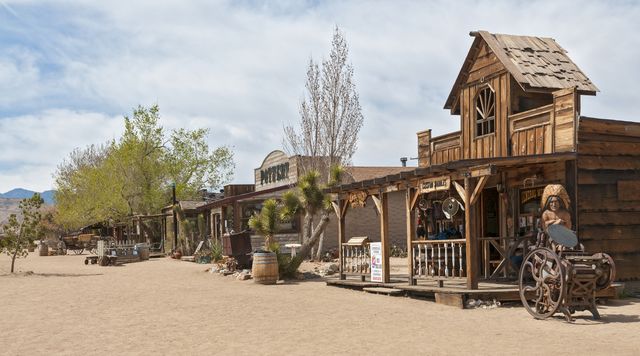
<point>536,63</point>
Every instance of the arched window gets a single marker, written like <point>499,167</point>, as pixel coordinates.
<point>485,112</point>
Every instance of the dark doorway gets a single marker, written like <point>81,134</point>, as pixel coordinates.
<point>490,213</point>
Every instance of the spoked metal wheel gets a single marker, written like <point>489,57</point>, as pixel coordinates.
<point>608,271</point>
<point>542,283</point>
<point>79,251</point>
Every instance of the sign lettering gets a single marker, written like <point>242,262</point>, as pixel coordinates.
<point>434,184</point>
<point>274,174</point>
<point>530,194</point>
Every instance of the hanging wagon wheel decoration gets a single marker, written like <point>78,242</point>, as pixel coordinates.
<point>542,283</point>
<point>423,204</point>
<point>450,207</point>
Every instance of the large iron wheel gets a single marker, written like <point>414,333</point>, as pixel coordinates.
<point>542,283</point>
<point>608,271</point>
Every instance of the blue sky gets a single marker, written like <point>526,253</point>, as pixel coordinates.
<point>70,70</point>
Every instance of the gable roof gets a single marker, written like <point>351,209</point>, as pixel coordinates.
<point>536,63</point>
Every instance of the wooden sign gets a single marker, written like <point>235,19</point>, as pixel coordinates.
<point>526,195</point>
<point>434,184</point>
<point>357,199</point>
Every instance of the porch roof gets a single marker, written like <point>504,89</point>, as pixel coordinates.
<point>455,167</point>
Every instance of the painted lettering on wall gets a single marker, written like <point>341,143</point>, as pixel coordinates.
<point>274,174</point>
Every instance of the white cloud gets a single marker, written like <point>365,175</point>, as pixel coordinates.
<point>238,67</point>
<point>31,146</point>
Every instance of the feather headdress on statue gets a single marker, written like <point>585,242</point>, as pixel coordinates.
<point>555,190</point>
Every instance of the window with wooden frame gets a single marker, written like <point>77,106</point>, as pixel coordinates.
<point>485,112</point>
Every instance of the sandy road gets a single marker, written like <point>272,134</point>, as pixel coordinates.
<point>171,307</point>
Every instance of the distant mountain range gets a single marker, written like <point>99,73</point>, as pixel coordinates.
<point>20,193</point>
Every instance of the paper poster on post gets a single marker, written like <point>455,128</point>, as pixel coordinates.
<point>376,261</point>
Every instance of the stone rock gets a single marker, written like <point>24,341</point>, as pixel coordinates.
<point>243,277</point>
<point>334,268</point>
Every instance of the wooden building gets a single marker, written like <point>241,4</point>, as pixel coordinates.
<point>277,174</point>
<point>518,102</point>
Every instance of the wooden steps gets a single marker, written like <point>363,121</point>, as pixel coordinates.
<point>383,290</point>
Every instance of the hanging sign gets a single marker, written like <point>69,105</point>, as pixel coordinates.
<point>526,195</point>
<point>434,184</point>
<point>376,261</point>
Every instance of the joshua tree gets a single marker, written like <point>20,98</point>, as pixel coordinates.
<point>266,222</point>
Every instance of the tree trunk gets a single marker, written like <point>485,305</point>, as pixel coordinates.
<point>13,259</point>
<point>306,247</point>
<point>320,247</point>
<point>308,228</point>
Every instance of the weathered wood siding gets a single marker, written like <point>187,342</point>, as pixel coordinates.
<point>445,148</point>
<point>495,144</point>
<point>566,106</point>
<point>609,191</point>
<point>424,148</point>
<point>531,132</point>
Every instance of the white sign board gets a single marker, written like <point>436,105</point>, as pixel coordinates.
<point>376,261</point>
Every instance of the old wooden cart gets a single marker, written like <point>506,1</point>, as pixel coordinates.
<point>558,275</point>
<point>79,243</point>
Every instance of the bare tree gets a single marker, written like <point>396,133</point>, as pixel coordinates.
<point>330,118</point>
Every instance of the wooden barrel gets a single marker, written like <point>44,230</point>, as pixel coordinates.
<point>43,250</point>
<point>265,268</point>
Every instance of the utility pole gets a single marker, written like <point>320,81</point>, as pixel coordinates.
<point>175,218</point>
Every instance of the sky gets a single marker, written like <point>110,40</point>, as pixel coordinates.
<point>70,70</point>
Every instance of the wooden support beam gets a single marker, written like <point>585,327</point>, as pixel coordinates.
<point>391,188</point>
<point>414,198</point>
<point>411,230</point>
<point>384,236</point>
<point>476,192</point>
<point>336,209</point>
<point>461,192</point>
<point>488,170</point>
<point>341,239</point>
<point>377,202</point>
<point>471,239</point>
<point>345,207</point>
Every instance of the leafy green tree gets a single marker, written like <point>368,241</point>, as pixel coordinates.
<point>20,234</point>
<point>130,175</point>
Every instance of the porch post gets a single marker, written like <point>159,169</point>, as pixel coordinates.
<point>411,230</point>
<point>384,236</point>
<point>341,234</point>
<point>471,239</point>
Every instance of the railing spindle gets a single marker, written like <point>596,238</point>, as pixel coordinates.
<point>446,261</point>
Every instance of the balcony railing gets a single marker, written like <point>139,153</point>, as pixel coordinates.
<point>531,132</point>
<point>445,148</point>
<point>439,259</point>
<point>356,260</point>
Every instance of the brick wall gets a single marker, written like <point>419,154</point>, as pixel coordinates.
<point>366,222</point>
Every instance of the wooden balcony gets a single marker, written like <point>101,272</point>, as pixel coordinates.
<point>530,132</point>
<point>438,150</point>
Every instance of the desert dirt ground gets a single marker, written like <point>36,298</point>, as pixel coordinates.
<point>164,306</point>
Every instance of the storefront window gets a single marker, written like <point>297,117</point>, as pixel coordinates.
<point>529,218</point>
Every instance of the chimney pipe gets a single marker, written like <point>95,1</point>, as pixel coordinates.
<point>403,160</point>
